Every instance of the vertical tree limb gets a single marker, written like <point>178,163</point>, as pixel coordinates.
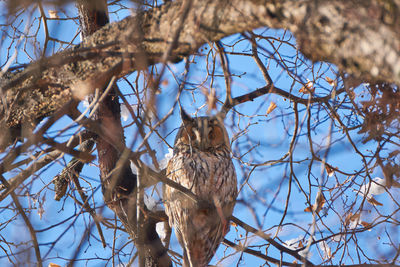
<point>118,181</point>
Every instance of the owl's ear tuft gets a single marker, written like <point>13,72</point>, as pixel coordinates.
<point>185,117</point>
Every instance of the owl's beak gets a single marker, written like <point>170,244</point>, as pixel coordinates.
<point>204,145</point>
<point>205,142</point>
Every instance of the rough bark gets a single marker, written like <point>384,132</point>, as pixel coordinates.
<point>362,38</point>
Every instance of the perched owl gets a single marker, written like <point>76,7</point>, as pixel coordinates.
<point>202,163</point>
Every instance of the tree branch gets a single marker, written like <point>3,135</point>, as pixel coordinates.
<point>334,31</point>
<point>270,240</point>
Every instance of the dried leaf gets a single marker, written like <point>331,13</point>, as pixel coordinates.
<point>374,202</point>
<point>271,107</point>
<point>319,202</point>
<point>355,217</point>
<point>294,243</point>
<point>233,224</point>
<point>351,218</point>
<point>366,225</point>
<point>308,209</point>
<point>318,205</point>
<point>53,14</point>
<point>307,88</point>
<point>165,82</point>
<point>330,81</point>
<point>326,249</point>
<point>53,265</point>
<point>329,170</point>
<point>347,220</point>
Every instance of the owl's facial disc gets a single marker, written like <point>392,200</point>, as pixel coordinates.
<point>207,134</point>
<point>203,133</point>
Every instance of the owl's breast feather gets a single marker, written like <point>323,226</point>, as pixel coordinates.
<point>206,174</point>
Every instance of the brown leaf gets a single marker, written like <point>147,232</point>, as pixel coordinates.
<point>307,88</point>
<point>366,225</point>
<point>351,217</point>
<point>271,107</point>
<point>329,170</point>
<point>374,202</point>
<point>308,209</point>
<point>318,205</point>
<point>319,202</point>
<point>53,14</point>
<point>165,82</point>
<point>347,220</point>
<point>355,217</point>
<point>330,81</point>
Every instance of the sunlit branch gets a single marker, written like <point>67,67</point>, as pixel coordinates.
<point>270,240</point>
<point>259,254</point>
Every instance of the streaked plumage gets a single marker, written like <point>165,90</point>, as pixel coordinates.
<point>202,163</point>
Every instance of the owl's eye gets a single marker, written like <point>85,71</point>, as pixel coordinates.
<point>191,134</point>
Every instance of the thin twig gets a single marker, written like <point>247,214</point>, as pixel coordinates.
<point>89,209</point>
<point>27,222</point>
<point>228,79</point>
<point>270,240</point>
<point>25,174</point>
<point>258,254</point>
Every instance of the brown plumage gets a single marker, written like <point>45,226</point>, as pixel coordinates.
<point>202,163</point>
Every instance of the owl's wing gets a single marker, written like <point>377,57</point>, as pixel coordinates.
<point>175,201</point>
<point>199,228</point>
<point>199,231</point>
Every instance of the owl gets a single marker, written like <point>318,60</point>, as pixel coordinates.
<point>202,163</point>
